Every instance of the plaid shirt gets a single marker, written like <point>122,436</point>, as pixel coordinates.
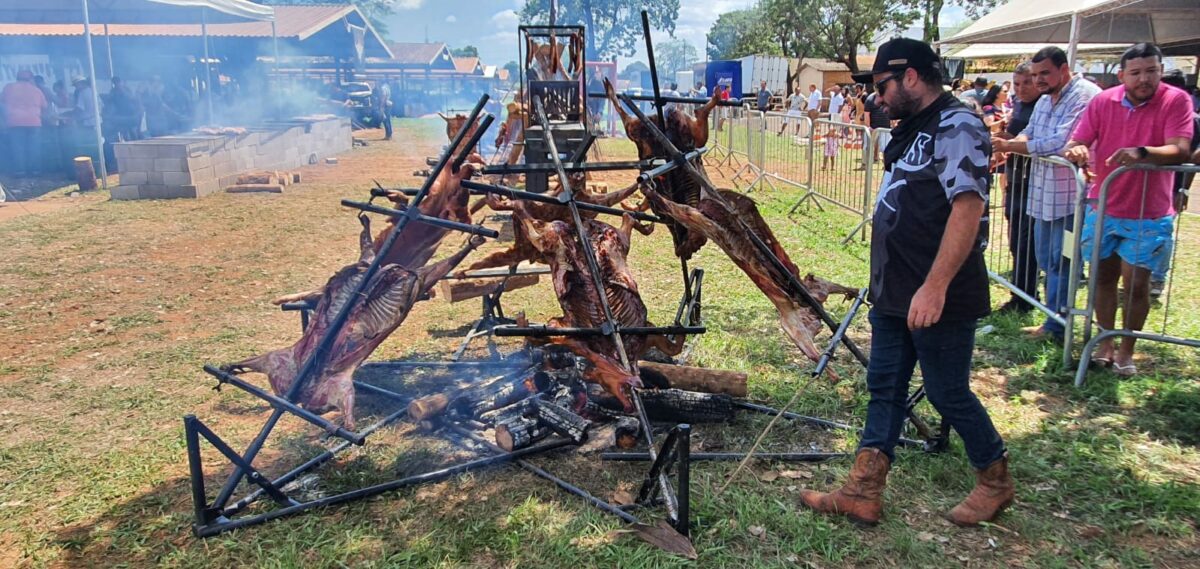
<point>1052,188</point>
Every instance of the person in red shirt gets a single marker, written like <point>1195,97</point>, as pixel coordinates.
<point>23,105</point>
<point>1140,121</point>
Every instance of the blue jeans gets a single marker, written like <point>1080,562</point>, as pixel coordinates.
<point>944,351</point>
<point>1048,248</point>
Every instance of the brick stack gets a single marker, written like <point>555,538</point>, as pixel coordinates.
<point>196,165</point>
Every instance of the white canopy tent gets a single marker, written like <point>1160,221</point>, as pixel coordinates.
<point>88,12</point>
<point>1172,24</point>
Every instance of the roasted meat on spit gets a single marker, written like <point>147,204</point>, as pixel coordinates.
<point>727,221</point>
<point>386,302</point>
<point>522,249</point>
<point>729,228</point>
<point>557,242</point>
<point>687,133</point>
<point>418,242</point>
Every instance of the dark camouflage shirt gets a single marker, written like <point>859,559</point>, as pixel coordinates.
<point>934,156</point>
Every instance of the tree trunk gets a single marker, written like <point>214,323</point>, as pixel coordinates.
<point>698,379</point>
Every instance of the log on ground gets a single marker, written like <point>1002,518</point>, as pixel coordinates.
<point>459,290</point>
<point>518,433</point>
<point>695,378</point>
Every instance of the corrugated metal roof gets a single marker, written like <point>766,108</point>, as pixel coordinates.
<point>290,22</point>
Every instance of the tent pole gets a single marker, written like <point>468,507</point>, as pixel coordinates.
<point>208,87</point>
<point>275,48</point>
<point>87,36</point>
<point>1073,46</point>
<point>108,51</point>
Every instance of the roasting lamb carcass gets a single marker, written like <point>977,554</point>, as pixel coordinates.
<point>686,133</point>
<point>387,300</point>
<point>558,244</point>
<point>418,242</point>
<point>729,227</point>
<point>522,249</point>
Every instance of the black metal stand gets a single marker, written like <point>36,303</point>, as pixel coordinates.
<point>213,517</point>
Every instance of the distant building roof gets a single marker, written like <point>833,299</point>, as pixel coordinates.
<point>467,65</point>
<point>828,65</point>
<point>291,22</point>
<point>434,55</point>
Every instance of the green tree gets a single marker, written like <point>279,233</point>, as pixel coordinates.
<point>613,27</point>
<point>788,24</point>
<point>841,27</point>
<point>465,51</point>
<point>740,33</point>
<point>376,11</point>
<point>673,55</point>
<point>933,8</point>
<point>514,70</point>
<point>633,69</point>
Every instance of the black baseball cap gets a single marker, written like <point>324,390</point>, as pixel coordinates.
<point>900,54</point>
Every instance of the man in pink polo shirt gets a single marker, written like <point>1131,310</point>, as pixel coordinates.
<point>1140,121</point>
<point>23,105</point>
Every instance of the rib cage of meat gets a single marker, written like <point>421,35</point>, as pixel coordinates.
<point>387,300</point>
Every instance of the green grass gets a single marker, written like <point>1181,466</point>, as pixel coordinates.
<point>93,472</point>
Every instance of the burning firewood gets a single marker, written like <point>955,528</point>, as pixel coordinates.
<point>675,405</point>
<point>696,378</point>
<point>519,432</point>
<point>387,300</point>
<point>562,421</point>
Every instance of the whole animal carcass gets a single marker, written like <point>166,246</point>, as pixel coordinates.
<point>686,132</point>
<point>418,242</point>
<point>522,249</point>
<point>386,302</point>
<point>559,245</point>
<point>728,220</point>
<point>729,226</point>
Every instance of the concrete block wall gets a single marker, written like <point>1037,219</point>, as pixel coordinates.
<point>193,166</point>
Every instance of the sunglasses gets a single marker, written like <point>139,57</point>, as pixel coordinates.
<point>881,86</point>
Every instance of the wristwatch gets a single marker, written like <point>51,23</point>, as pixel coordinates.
<point>1142,152</point>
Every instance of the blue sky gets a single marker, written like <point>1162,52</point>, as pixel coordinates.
<point>491,25</point>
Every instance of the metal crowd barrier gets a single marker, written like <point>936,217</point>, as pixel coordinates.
<point>1168,269</point>
<point>845,155</point>
<point>1043,273</point>
<point>786,149</point>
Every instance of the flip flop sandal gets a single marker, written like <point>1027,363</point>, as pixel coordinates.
<point>1102,361</point>
<point>1125,370</point>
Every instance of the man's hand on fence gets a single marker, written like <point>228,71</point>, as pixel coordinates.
<point>1077,154</point>
<point>1125,157</point>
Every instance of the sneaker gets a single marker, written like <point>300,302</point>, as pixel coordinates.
<point>1156,288</point>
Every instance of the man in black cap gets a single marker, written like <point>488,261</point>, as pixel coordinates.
<point>929,285</point>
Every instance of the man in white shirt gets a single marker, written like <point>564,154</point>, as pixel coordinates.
<point>795,102</point>
<point>836,100</point>
<point>814,102</point>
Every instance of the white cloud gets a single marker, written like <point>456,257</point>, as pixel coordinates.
<point>408,4</point>
<point>505,19</point>
<point>451,19</point>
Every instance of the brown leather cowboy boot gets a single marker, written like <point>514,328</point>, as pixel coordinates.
<point>860,498</point>
<point>994,491</point>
